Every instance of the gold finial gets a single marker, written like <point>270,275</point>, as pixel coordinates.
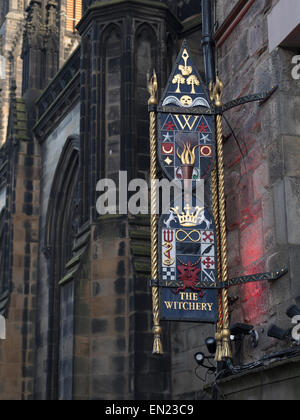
<point>216,92</point>
<point>185,70</point>
<point>152,88</point>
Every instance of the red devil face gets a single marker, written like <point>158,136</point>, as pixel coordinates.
<point>188,274</point>
<point>189,277</point>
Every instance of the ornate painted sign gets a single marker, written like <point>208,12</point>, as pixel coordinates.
<point>188,264</point>
<point>188,282</point>
<point>185,126</point>
<point>187,238</point>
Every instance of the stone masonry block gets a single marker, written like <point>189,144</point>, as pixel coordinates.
<point>279,212</point>
<point>260,180</point>
<point>233,246</point>
<point>295,271</point>
<point>291,148</point>
<point>292,189</point>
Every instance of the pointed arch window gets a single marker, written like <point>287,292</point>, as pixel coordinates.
<point>74,14</point>
<point>61,229</point>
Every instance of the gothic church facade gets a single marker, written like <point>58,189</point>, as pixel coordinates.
<point>74,286</point>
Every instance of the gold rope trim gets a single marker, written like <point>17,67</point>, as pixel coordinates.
<point>157,331</point>
<point>215,206</point>
<point>216,94</point>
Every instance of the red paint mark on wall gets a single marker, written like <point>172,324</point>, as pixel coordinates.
<point>253,295</point>
<point>252,248</point>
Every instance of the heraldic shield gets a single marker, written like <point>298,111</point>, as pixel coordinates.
<point>185,124</point>
<point>188,264</point>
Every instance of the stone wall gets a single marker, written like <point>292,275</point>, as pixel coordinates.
<point>224,7</point>
<point>279,382</point>
<point>107,304</point>
<point>101,365</point>
<point>113,317</point>
<point>261,187</point>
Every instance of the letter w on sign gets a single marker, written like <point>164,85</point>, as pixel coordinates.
<point>186,121</point>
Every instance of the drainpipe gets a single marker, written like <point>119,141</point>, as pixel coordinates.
<point>208,42</point>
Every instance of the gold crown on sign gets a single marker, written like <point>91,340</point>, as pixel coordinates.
<point>188,218</point>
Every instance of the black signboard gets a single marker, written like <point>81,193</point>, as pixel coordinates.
<point>186,146</point>
<point>188,263</point>
<point>187,235</point>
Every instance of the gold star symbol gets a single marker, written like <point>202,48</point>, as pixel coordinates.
<point>168,161</point>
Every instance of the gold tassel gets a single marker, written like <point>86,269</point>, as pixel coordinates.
<point>157,330</point>
<point>157,345</point>
<point>227,354</point>
<point>219,351</point>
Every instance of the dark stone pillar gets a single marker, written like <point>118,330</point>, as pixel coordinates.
<point>121,42</point>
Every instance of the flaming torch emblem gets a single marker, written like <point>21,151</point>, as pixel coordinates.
<point>187,158</point>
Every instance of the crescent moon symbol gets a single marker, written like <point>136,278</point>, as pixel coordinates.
<point>168,152</point>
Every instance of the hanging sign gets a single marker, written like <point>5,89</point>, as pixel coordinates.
<point>188,268</point>
<point>188,265</point>
<point>185,124</point>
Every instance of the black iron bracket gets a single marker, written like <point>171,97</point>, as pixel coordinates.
<point>271,276</point>
<point>258,97</point>
<point>197,110</point>
<point>255,277</point>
